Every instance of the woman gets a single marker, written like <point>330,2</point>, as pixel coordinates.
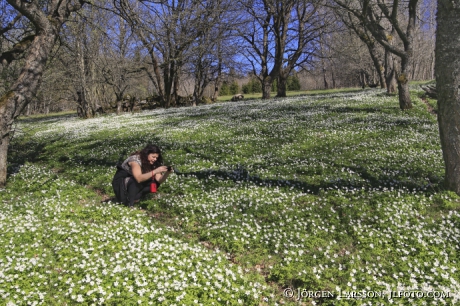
<point>137,172</point>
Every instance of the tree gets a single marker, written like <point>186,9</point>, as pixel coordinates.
<point>280,35</point>
<point>262,47</point>
<point>35,43</point>
<point>297,42</point>
<point>234,88</point>
<point>256,86</point>
<point>424,43</point>
<point>382,19</point>
<point>167,31</point>
<point>447,86</point>
<point>276,34</point>
<point>73,78</point>
<point>293,83</point>
<point>371,44</point>
<point>82,43</point>
<point>246,88</point>
<point>339,60</point>
<point>225,89</point>
<point>212,51</point>
<point>118,65</point>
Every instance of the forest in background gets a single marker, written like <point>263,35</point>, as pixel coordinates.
<point>111,56</point>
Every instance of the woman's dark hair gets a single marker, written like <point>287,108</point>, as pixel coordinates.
<point>144,153</point>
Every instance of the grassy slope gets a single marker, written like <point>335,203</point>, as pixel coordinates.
<point>334,192</point>
<point>290,93</point>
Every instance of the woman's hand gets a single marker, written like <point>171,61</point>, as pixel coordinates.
<point>160,169</point>
<point>162,173</point>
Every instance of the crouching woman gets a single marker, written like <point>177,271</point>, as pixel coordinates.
<point>135,175</point>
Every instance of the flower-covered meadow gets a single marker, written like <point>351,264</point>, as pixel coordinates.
<point>328,199</point>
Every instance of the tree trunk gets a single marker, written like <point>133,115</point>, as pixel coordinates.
<point>364,78</point>
<point>82,86</point>
<point>281,86</point>
<point>47,24</point>
<point>119,97</point>
<point>196,97</point>
<point>216,92</point>
<point>198,81</point>
<point>5,142</point>
<point>391,81</point>
<point>447,86</point>
<point>83,105</point>
<point>169,77</point>
<point>266,88</point>
<point>326,85</point>
<point>378,65</point>
<point>23,90</point>
<point>217,80</point>
<point>175,89</point>
<point>119,106</point>
<point>403,84</point>
<point>414,71</point>
<point>334,85</point>
<point>390,69</point>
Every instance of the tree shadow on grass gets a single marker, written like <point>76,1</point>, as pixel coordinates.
<point>47,118</point>
<point>51,151</point>
<point>27,151</point>
<point>368,180</point>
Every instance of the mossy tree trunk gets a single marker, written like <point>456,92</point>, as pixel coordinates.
<point>403,84</point>
<point>390,70</point>
<point>378,64</point>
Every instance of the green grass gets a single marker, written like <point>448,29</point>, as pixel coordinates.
<point>334,192</point>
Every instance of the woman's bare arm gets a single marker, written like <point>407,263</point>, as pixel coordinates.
<point>142,177</point>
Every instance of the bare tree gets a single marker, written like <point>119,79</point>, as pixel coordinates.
<point>343,61</point>
<point>118,65</point>
<point>213,50</point>
<point>82,43</point>
<point>372,46</point>
<point>375,15</point>
<point>205,66</point>
<point>322,59</point>
<point>279,36</point>
<point>301,35</point>
<point>424,42</point>
<point>447,85</point>
<point>70,80</point>
<point>258,34</point>
<point>101,61</point>
<point>46,18</point>
<point>167,31</point>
